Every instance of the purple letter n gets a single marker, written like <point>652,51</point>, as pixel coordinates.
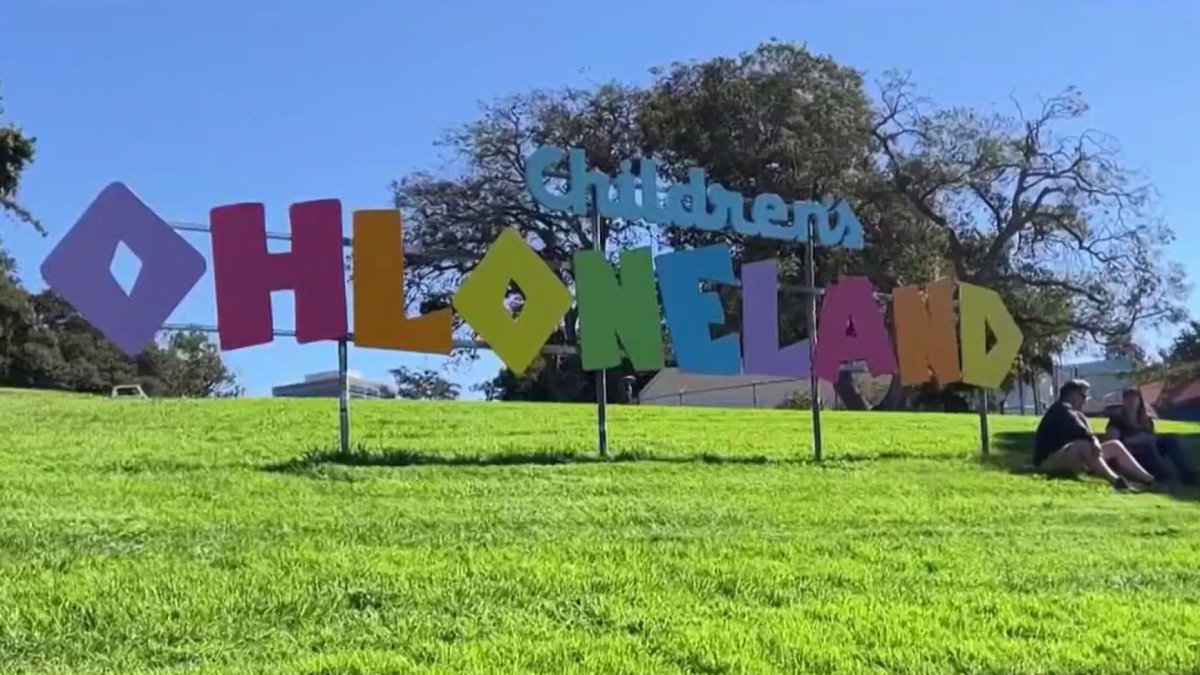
<point>79,268</point>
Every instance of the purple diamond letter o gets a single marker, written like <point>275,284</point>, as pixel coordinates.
<point>79,268</point>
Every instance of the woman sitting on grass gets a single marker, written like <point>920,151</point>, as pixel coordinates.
<point>1161,455</point>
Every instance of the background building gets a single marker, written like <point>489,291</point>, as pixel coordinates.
<point>672,387</point>
<point>1107,377</point>
<point>325,385</point>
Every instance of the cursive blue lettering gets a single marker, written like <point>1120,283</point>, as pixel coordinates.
<point>586,183</point>
<point>691,203</point>
<point>687,202</point>
<point>841,228</point>
<point>731,208</point>
<point>804,214</point>
<point>652,209</point>
<point>535,178</point>
<point>770,217</point>
<point>626,205</point>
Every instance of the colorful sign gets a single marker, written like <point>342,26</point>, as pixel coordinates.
<point>693,203</point>
<point>619,311</point>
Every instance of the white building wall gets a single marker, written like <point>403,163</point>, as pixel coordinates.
<point>671,387</point>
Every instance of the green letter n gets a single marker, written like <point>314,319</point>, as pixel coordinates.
<point>610,308</point>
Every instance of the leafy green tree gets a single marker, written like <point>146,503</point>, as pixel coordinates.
<point>1185,348</point>
<point>424,385</point>
<point>187,364</point>
<point>1049,218</point>
<point>46,344</point>
<point>783,120</point>
<point>1051,221</point>
<point>16,154</point>
<point>776,119</point>
<point>454,220</point>
<point>1178,363</point>
<point>63,351</point>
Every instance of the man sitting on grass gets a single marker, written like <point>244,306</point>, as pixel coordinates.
<point>1065,443</point>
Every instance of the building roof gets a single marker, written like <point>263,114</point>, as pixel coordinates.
<point>1152,392</point>
<point>331,375</point>
<point>1161,394</point>
<point>317,379</point>
<point>1183,392</point>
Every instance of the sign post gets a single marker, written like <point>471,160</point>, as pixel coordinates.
<point>343,397</point>
<point>985,437</point>
<point>814,397</point>
<point>601,375</point>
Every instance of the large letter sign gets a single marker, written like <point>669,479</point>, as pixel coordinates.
<point>618,300</point>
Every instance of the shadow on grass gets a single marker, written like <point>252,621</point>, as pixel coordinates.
<point>404,457</point>
<point>411,457</point>
<point>1012,451</point>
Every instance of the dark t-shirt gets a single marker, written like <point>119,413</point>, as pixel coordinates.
<point>1059,426</point>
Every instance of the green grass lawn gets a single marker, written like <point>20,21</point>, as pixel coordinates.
<point>222,536</point>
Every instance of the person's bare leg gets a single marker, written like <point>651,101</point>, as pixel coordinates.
<point>1091,458</point>
<point>1116,451</point>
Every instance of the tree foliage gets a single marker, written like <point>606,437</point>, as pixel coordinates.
<point>454,220</point>
<point>16,153</point>
<point>1015,202</point>
<point>1185,348</point>
<point>46,344</point>
<point>1050,218</point>
<point>423,385</point>
<point>777,119</point>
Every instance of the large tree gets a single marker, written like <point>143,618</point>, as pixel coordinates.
<point>777,119</point>
<point>46,344</point>
<point>1052,221</point>
<point>1047,215</point>
<point>453,220</point>
<point>783,120</point>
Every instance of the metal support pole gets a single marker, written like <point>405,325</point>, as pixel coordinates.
<point>814,395</point>
<point>754,393</point>
<point>343,397</point>
<point>1037,393</point>
<point>601,375</point>
<point>1021,384</point>
<point>985,437</point>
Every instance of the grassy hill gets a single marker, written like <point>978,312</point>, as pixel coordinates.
<point>223,536</point>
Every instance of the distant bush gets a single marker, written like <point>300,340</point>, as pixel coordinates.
<point>797,400</point>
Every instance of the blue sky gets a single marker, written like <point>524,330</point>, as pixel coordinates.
<point>196,104</point>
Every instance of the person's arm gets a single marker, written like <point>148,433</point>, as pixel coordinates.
<point>1113,430</point>
<point>1139,439</point>
<point>1075,426</point>
<point>1141,432</point>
